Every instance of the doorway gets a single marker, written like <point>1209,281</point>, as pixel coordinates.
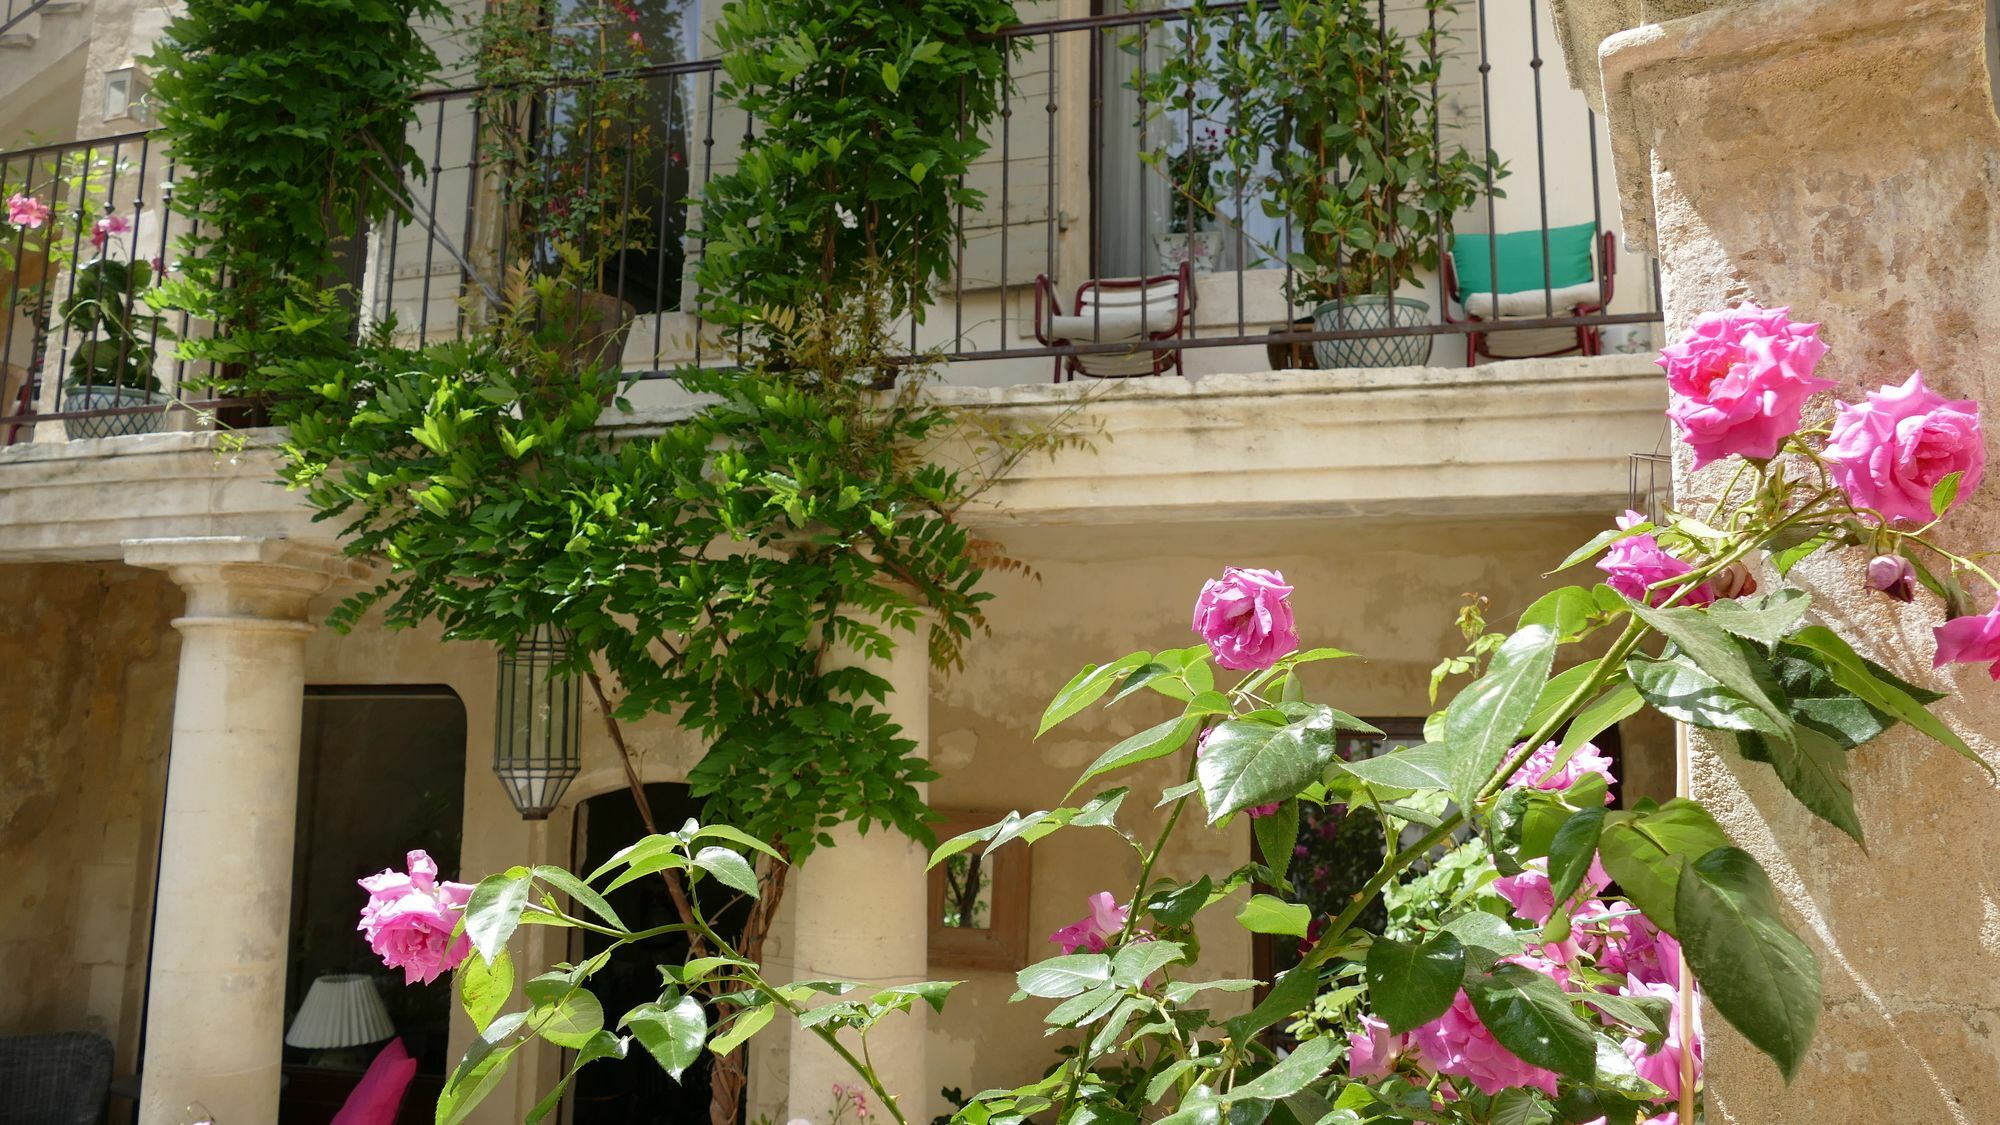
<point>634,1090</point>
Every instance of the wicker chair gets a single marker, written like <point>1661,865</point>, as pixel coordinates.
<point>62,1079</point>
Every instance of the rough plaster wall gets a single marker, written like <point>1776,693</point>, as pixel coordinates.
<point>91,670</point>
<point>1840,157</point>
<point>1386,589</point>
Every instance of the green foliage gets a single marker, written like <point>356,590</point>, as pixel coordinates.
<point>1332,125</point>
<point>714,568</point>
<point>562,123</point>
<point>274,162</point>
<point>112,338</point>
<point>866,119</point>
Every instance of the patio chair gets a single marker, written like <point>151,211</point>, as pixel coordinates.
<point>61,1079</point>
<point>1116,311</point>
<point>1572,284</point>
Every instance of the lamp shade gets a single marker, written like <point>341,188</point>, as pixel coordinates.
<point>340,1010</point>
<point>535,739</point>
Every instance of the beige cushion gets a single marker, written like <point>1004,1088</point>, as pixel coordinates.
<point>1533,302</point>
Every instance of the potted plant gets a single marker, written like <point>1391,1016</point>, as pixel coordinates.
<point>1192,235</point>
<point>565,124</point>
<point>112,346</point>
<point>1336,132</point>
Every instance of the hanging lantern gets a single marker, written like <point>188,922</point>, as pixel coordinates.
<point>535,745</point>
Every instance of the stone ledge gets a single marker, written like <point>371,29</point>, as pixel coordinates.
<point>1520,437</point>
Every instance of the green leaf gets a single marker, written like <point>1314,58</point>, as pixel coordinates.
<point>1644,1013</point>
<point>1610,709</point>
<point>961,842</point>
<point>1086,688</point>
<point>1715,652</point>
<point>1292,994</point>
<point>1570,853</point>
<point>1178,906</point>
<point>494,909</point>
<point>1422,768</point>
<point>1413,984</point>
<point>603,1045</point>
<point>1565,611</point>
<point>1267,914</point>
<point>1946,493</point>
<point>736,836</point>
<point>475,1076</point>
<point>1251,763</point>
<point>484,987</point>
<point>1598,542</point>
<point>1517,1106</point>
<point>728,867</point>
<point>747,1024</point>
<point>1486,938</point>
<point>1556,692</point>
<point>1293,1073</point>
<point>1814,768</point>
<point>1277,834</point>
<point>1060,977</point>
<point>1487,716</point>
<point>1131,965</point>
<point>673,1036</point>
<point>1850,671</point>
<point>571,1020</point>
<point>1682,692</point>
<point>1153,742</point>
<point>1756,972</point>
<point>576,889</point>
<point>1533,1018</point>
<point>1643,850</point>
<point>1767,619</point>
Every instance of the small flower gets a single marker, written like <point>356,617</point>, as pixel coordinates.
<point>1372,1051</point>
<point>637,40</point>
<point>26,212</point>
<point>1539,771</point>
<point>1970,640</point>
<point>1894,576</point>
<point>104,228</point>
<point>846,217</point>
<point>1637,562</point>
<point>1246,618</point>
<point>1094,932</point>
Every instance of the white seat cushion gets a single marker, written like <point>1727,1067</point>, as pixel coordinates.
<point>1533,302</point>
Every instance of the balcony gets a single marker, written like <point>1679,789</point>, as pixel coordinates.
<point>1079,188</point>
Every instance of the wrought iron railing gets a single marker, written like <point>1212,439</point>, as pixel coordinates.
<point>1072,200</point>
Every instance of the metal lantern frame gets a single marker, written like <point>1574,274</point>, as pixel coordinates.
<point>538,714</point>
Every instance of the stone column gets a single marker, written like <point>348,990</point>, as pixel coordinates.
<point>1838,156</point>
<point>860,913</point>
<point>216,1001</point>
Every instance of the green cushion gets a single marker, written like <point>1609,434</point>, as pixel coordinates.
<point>1520,256</point>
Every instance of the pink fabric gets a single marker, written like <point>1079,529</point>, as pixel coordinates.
<point>379,1094</point>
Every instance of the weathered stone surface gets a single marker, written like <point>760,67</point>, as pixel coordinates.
<point>1840,157</point>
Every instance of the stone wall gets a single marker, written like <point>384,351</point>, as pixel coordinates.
<point>1839,156</point>
<point>90,663</point>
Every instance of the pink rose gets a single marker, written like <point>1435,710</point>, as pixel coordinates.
<point>1891,451</point>
<point>1458,1044</point>
<point>1893,576</point>
<point>1094,932</point>
<point>1620,940</point>
<point>1245,618</point>
<point>1970,640</point>
<point>1372,1051</point>
<point>104,228</point>
<point>1536,771</point>
<point>1663,1067</point>
<point>1533,897</point>
<point>1637,562</point>
<point>26,212</point>
<point>1738,381</point>
<point>409,919</point>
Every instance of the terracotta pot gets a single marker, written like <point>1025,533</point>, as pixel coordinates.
<point>1285,356</point>
<point>594,327</point>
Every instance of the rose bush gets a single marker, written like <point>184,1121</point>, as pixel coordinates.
<point>1509,983</point>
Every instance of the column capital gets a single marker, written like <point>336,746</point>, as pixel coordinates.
<point>243,578</point>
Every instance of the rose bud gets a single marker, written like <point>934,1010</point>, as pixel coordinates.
<point>1893,576</point>
<point>1734,581</point>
